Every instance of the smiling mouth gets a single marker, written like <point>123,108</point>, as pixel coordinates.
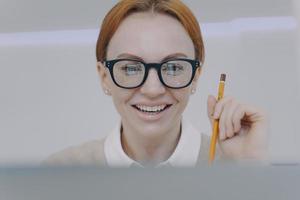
<point>152,109</point>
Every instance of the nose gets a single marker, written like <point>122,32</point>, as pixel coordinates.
<point>152,86</point>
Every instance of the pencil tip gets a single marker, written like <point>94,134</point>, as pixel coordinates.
<point>223,77</point>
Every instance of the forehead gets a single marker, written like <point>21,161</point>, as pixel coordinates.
<point>151,36</point>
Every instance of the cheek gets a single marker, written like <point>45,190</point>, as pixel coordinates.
<point>182,96</point>
<point>121,97</point>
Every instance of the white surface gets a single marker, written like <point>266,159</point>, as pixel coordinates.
<point>51,97</point>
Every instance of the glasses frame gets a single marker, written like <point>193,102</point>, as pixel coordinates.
<point>157,66</point>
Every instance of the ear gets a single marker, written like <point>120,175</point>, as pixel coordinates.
<point>197,75</point>
<point>104,77</point>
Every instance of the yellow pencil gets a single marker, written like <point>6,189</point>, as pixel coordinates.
<point>215,133</point>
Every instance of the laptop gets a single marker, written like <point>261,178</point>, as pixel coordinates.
<point>204,182</point>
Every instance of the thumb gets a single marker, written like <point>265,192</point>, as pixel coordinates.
<point>211,103</point>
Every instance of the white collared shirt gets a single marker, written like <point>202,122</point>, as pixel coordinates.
<point>185,155</point>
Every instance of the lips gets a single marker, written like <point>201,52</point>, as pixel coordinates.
<point>152,109</point>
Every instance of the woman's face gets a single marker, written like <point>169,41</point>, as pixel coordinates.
<point>150,37</point>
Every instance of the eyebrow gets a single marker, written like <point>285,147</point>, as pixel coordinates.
<point>169,57</point>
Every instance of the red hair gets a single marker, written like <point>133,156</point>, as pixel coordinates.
<point>174,8</point>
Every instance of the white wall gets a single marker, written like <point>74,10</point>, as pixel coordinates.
<point>50,95</point>
<point>296,11</point>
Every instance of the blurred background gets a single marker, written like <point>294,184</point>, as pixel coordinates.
<point>50,94</point>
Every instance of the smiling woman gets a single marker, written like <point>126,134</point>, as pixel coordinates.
<point>150,55</point>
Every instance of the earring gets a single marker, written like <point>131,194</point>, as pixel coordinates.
<point>193,91</point>
<point>106,91</point>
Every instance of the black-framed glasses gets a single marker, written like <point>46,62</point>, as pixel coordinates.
<point>131,73</point>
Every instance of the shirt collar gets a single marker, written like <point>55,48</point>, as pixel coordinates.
<point>185,154</point>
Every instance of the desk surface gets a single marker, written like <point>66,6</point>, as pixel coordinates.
<point>231,182</point>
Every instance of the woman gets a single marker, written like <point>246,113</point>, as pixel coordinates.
<point>150,54</point>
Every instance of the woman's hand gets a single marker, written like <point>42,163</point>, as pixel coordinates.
<point>242,128</point>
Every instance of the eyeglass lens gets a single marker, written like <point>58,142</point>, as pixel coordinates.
<point>175,73</point>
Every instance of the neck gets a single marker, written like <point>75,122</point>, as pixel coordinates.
<point>150,150</point>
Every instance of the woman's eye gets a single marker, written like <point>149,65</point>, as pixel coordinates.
<point>131,69</point>
<point>173,69</point>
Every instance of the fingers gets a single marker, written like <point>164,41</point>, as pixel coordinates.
<point>211,103</point>
<point>229,112</point>
<point>236,118</point>
<point>226,122</point>
<point>220,105</point>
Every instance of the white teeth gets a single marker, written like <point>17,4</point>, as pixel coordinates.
<point>152,108</point>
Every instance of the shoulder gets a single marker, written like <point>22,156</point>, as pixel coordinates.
<point>88,153</point>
